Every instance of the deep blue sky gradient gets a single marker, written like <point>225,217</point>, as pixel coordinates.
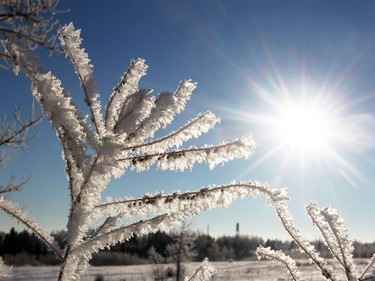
<point>247,56</point>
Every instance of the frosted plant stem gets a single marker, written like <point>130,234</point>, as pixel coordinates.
<point>14,211</point>
<point>63,273</point>
<point>314,212</point>
<point>206,116</point>
<point>279,256</point>
<point>285,218</point>
<point>368,267</point>
<point>193,201</point>
<point>127,86</point>
<point>344,243</point>
<point>71,40</point>
<point>185,158</point>
<point>343,254</point>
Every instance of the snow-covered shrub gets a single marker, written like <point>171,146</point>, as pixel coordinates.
<point>116,138</point>
<point>335,236</point>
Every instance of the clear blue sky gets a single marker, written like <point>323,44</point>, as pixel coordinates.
<point>256,62</point>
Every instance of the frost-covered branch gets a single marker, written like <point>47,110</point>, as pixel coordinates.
<point>304,245</point>
<point>71,41</point>
<point>279,256</point>
<point>185,158</point>
<point>194,128</point>
<point>14,211</point>
<point>167,105</point>
<point>335,236</point>
<point>192,202</point>
<point>345,244</point>
<point>370,266</point>
<point>63,115</point>
<point>27,24</point>
<point>107,226</point>
<point>129,106</point>
<point>203,273</point>
<point>80,256</point>
<point>135,109</point>
<point>123,91</point>
<point>123,139</point>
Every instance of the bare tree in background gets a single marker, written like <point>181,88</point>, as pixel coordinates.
<point>15,136</point>
<point>27,24</point>
<point>182,249</point>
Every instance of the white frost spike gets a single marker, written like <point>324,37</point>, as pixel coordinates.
<point>49,92</point>
<point>185,159</point>
<point>135,109</point>
<point>127,86</point>
<point>201,124</point>
<point>203,273</point>
<point>279,256</point>
<point>183,94</point>
<point>69,126</point>
<point>188,203</point>
<point>108,225</point>
<point>71,42</point>
<point>335,235</point>
<point>167,105</point>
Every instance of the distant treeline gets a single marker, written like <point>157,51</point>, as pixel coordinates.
<point>20,248</point>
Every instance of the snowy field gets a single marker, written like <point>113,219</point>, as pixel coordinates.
<point>245,270</point>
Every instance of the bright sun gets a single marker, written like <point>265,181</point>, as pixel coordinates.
<point>303,127</point>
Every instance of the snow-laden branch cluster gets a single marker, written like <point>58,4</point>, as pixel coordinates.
<point>335,236</point>
<point>116,138</point>
<point>187,203</point>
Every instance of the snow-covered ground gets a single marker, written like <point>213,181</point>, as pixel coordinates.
<point>244,270</point>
